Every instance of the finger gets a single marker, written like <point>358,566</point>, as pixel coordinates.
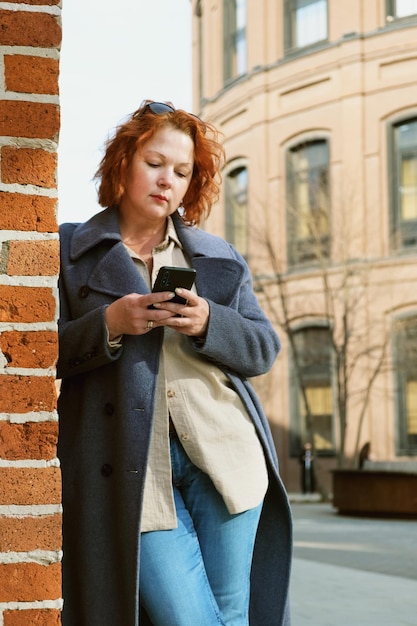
<point>157,298</point>
<point>190,297</point>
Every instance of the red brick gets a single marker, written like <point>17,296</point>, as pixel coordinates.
<point>31,74</point>
<point>24,212</point>
<point>28,166</point>
<point>22,394</point>
<point>27,486</point>
<point>31,440</point>
<point>33,258</point>
<point>26,304</point>
<point>32,617</point>
<point>28,582</point>
<point>24,28</point>
<point>36,2</point>
<point>23,534</point>
<point>29,348</point>
<point>37,120</point>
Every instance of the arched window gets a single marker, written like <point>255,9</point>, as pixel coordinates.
<point>236,216</point>
<point>308,202</point>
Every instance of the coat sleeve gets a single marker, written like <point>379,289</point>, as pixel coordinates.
<point>83,344</point>
<point>240,337</point>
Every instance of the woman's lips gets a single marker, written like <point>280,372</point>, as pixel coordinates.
<point>159,198</point>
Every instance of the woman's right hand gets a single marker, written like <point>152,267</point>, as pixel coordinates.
<point>130,314</point>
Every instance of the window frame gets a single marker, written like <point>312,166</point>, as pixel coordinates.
<point>233,36</point>
<point>300,251</point>
<point>403,233</point>
<point>290,22</point>
<point>401,376</point>
<point>320,374</point>
<point>391,12</point>
<point>236,167</point>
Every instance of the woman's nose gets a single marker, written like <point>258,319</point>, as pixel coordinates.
<point>165,179</point>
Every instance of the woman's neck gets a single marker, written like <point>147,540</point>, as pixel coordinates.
<point>143,241</point>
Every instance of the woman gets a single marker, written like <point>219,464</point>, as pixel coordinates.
<point>174,512</point>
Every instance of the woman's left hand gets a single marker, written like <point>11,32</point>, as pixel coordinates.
<point>190,318</point>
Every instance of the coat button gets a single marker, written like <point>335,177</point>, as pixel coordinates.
<point>84,291</point>
<point>108,409</point>
<point>185,436</point>
<point>106,470</point>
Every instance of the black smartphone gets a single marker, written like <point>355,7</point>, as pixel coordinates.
<point>169,278</point>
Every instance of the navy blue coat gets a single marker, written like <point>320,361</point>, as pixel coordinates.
<point>106,407</point>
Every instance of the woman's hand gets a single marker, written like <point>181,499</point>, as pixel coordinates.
<point>189,319</point>
<point>130,314</point>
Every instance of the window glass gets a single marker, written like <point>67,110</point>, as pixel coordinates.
<point>310,22</point>
<point>405,7</point>
<point>411,406</point>
<point>405,184</point>
<point>308,202</point>
<point>407,155</point>
<point>313,354</point>
<point>237,209</point>
<point>240,37</point>
<point>306,22</point>
<point>234,38</point>
<point>406,372</point>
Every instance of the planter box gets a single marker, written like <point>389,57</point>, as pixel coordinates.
<point>375,492</point>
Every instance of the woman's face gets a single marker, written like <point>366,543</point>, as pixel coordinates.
<point>158,177</point>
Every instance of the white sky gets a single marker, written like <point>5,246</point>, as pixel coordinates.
<point>114,55</point>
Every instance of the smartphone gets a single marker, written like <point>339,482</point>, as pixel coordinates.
<point>169,278</point>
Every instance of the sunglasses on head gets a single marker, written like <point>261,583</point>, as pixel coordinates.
<point>160,108</point>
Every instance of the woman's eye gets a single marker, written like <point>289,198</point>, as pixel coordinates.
<point>153,164</point>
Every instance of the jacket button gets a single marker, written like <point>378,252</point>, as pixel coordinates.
<point>108,409</point>
<point>84,291</point>
<point>106,470</point>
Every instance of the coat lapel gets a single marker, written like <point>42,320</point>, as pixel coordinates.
<point>219,273</point>
<point>116,275</point>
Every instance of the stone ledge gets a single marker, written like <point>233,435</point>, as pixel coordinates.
<point>409,467</point>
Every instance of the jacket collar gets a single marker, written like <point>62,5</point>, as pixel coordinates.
<point>218,274</point>
<point>104,226</point>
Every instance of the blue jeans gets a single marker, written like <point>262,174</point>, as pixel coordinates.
<point>199,572</point>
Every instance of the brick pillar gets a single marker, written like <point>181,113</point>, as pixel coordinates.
<point>30,497</point>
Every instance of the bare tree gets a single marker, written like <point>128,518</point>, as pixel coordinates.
<point>339,295</point>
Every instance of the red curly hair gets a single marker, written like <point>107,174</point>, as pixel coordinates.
<point>131,135</point>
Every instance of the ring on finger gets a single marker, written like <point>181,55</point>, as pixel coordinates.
<point>149,325</point>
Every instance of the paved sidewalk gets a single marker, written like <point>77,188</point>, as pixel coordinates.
<point>352,571</point>
<point>328,595</point>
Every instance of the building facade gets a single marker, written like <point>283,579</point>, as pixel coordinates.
<point>317,102</point>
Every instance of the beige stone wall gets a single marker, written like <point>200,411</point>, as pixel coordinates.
<point>347,90</point>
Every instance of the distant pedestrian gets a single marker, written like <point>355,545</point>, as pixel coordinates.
<point>307,469</point>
